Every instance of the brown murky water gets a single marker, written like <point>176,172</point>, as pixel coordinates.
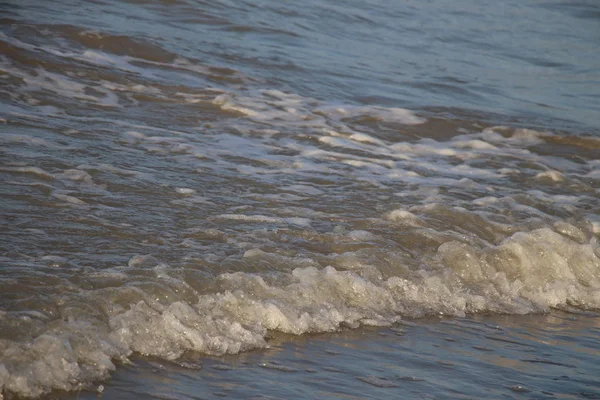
<point>236,199</point>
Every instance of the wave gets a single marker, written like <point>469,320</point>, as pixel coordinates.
<point>165,316</point>
<point>294,214</point>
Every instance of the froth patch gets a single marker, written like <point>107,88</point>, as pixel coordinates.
<point>185,191</point>
<point>304,189</point>
<point>550,177</point>
<point>29,170</point>
<point>528,272</point>
<point>277,106</point>
<point>69,199</point>
<point>511,136</point>
<point>226,103</point>
<point>42,82</point>
<point>594,220</point>
<point>76,175</point>
<point>404,217</point>
<point>475,144</point>
<point>265,219</point>
<point>364,138</point>
<point>397,115</point>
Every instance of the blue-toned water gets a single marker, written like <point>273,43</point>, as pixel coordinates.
<point>188,185</point>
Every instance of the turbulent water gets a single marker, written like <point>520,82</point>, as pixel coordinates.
<point>187,176</point>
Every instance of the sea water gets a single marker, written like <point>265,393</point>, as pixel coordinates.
<point>246,199</point>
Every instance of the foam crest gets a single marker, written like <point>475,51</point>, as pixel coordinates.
<point>29,170</point>
<point>265,219</point>
<point>404,217</point>
<point>156,204</point>
<point>527,272</point>
<point>42,81</point>
<point>397,115</point>
<point>276,106</point>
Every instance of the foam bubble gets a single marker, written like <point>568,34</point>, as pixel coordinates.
<point>266,219</point>
<point>520,136</point>
<point>76,175</point>
<point>527,272</point>
<point>185,191</point>
<point>304,189</point>
<point>226,103</point>
<point>397,115</point>
<point>364,138</point>
<point>66,87</point>
<point>69,199</point>
<point>360,235</point>
<point>404,217</point>
<point>550,176</point>
<point>29,170</point>
<point>459,235</point>
<point>475,144</point>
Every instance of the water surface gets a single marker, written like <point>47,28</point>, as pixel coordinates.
<point>189,179</point>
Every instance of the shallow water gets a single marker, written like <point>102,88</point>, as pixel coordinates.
<point>183,179</point>
<point>512,357</point>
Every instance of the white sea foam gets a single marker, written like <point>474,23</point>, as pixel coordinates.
<point>29,170</point>
<point>327,217</point>
<point>550,176</point>
<point>594,220</point>
<point>30,140</point>
<point>527,272</point>
<point>304,189</point>
<point>69,199</point>
<point>105,59</point>
<point>398,115</point>
<point>265,219</point>
<point>364,138</point>
<point>65,87</point>
<point>76,175</point>
<point>272,105</point>
<point>404,217</point>
<point>523,137</point>
<point>185,191</point>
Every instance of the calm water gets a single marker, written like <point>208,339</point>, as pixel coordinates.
<point>193,188</point>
